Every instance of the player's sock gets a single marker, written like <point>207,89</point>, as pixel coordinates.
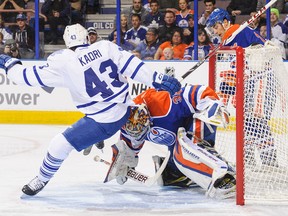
<point>49,167</point>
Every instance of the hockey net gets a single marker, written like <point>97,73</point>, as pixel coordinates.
<point>257,136</point>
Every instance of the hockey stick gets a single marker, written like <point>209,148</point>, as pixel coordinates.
<point>229,39</point>
<point>138,176</point>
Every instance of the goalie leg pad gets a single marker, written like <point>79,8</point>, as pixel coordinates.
<point>123,158</point>
<point>203,166</point>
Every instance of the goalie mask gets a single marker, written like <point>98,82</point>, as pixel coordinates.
<point>139,121</point>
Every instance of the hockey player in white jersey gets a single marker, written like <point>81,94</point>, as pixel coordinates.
<point>96,76</point>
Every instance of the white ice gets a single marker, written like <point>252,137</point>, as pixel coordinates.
<point>78,189</point>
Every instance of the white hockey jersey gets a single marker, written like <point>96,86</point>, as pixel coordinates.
<point>95,75</point>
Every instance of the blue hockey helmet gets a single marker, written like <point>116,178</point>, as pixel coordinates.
<point>217,16</point>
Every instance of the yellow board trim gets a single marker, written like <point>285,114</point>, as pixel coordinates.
<point>39,117</point>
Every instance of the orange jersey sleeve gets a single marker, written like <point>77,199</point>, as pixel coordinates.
<point>230,31</point>
<point>158,102</point>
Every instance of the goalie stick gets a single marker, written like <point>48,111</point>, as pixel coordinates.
<point>138,176</point>
<point>230,38</point>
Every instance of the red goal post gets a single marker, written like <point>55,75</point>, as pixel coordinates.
<point>251,84</point>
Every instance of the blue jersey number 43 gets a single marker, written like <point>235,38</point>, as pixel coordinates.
<point>95,86</point>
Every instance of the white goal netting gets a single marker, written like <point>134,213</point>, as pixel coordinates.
<point>264,119</point>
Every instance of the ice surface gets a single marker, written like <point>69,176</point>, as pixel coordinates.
<point>78,189</point>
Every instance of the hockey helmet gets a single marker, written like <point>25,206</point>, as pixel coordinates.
<point>139,121</point>
<point>217,16</point>
<point>75,35</point>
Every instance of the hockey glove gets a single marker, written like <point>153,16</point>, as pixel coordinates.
<point>6,62</point>
<point>123,159</point>
<point>166,83</point>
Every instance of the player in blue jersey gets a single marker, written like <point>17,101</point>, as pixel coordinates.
<point>195,109</point>
<point>96,76</point>
<point>219,22</point>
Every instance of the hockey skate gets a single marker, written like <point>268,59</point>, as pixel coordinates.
<point>223,187</point>
<point>171,177</point>
<point>34,186</point>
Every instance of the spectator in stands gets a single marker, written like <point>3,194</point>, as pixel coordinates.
<point>78,10</point>
<point>7,34</point>
<point>11,49</point>
<point>204,45</point>
<point>278,29</point>
<point>1,43</point>
<point>93,35</point>
<point>255,25</point>
<point>123,25</point>
<point>188,33</point>
<point>9,17</point>
<point>154,18</point>
<point>241,7</point>
<point>183,14</point>
<point>57,13</point>
<point>165,32</point>
<point>285,9</point>
<point>24,37</point>
<point>125,45</point>
<point>263,30</point>
<point>209,7</point>
<point>175,43</point>
<point>168,53</point>
<point>279,4</point>
<point>136,8</point>
<point>263,33</point>
<point>149,46</point>
<point>137,33</point>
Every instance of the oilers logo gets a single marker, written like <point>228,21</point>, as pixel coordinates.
<point>161,136</point>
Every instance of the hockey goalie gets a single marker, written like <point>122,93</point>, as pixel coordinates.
<point>163,120</point>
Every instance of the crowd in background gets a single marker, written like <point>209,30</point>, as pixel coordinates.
<point>151,29</point>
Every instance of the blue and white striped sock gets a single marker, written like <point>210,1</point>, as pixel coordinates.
<point>49,167</point>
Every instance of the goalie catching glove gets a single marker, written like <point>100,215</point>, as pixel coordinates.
<point>123,158</point>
